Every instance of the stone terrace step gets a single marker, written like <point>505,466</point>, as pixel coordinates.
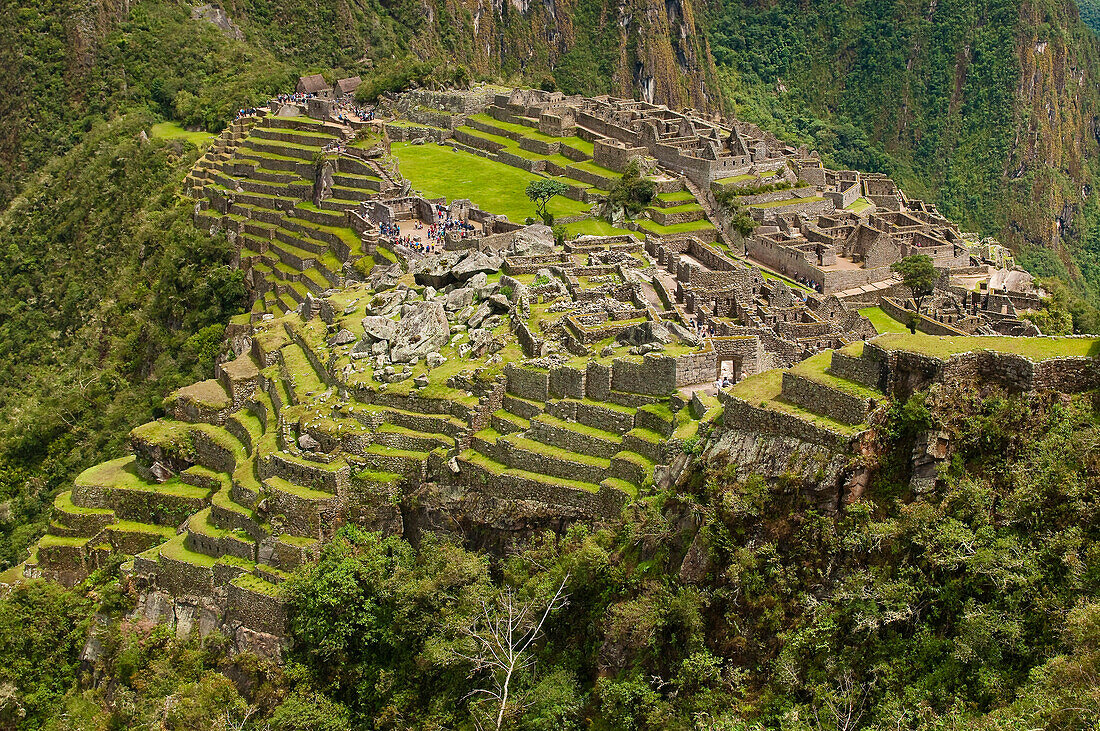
<point>398,461</point>
<point>527,454</point>
<point>507,423</point>
<point>205,536</point>
<point>574,436</point>
<point>398,437</point>
<point>116,485</point>
<point>471,457</point>
<point>302,507</point>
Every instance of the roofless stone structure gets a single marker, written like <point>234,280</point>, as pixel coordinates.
<point>415,363</point>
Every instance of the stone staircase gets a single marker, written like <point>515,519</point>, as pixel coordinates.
<point>220,151</point>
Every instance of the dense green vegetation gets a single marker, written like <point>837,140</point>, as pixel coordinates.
<point>972,605</point>
<point>109,298</point>
<point>930,95</point>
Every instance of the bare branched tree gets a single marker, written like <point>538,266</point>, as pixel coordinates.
<point>503,633</point>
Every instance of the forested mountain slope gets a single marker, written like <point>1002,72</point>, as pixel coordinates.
<point>987,107</point>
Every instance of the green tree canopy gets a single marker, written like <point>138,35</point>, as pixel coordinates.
<point>632,193</point>
<point>541,191</point>
<point>917,273</point>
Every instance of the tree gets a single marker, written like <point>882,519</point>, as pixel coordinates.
<point>631,194</point>
<point>503,633</point>
<point>918,274</point>
<point>541,191</point>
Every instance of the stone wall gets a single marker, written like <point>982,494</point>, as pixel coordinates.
<point>925,324</point>
<point>699,367</point>
<point>740,415</point>
<point>821,399</point>
<point>260,612</point>
<point>655,375</point>
<point>567,382</point>
<point>532,384</point>
<point>863,370</point>
<point>615,155</point>
<point>606,504</point>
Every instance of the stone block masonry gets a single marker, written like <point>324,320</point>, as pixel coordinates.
<point>821,399</point>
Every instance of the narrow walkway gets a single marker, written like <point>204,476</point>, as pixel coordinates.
<point>708,209</point>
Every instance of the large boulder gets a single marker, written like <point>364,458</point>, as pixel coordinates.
<point>534,240</point>
<point>475,262</point>
<point>379,328</point>
<point>424,329</point>
<point>459,298</point>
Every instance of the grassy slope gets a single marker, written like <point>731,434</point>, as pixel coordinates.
<point>495,187</point>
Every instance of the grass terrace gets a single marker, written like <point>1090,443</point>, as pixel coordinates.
<point>787,202</point>
<point>173,131</point>
<point>677,228</point>
<point>859,205</point>
<point>440,172</point>
<point>1036,349</point>
<point>594,227</point>
<point>763,390</point>
<point>816,368</point>
<point>883,323</point>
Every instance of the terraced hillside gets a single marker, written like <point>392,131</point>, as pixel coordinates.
<point>517,142</point>
<point>259,182</point>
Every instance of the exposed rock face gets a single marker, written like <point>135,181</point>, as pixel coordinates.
<point>822,472</point>
<point>533,241</point>
<point>421,331</point>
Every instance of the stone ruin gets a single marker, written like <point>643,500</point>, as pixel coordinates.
<point>505,382</point>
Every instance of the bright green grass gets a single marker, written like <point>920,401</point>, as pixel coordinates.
<point>496,467</point>
<point>252,583</point>
<point>576,426</point>
<point>517,128</point>
<point>121,473</point>
<point>682,195</point>
<point>546,450</point>
<point>763,390</point>
<point>593,227</point>
<point>591,167</point>
<point>305,378</point>
<point>306,493</point>
<point>745,178</point>
<point>132,526</point>
<point>1033,348</point>
<point>685,208</point>
<point>173,131</point>
<point>325,136</point>
<point>175,550</point>
<point>63,503</point>
<point>676,228</point>
<point>859,205</point>
<point>74,541</point>
<point>437,171</point>
<point>816,368</point>
<point>883,323</point>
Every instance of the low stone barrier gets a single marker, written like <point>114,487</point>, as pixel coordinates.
<point>821,399</point>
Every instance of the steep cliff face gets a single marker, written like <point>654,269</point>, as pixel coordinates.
<point>651,49</point>
<point>1053,163</point>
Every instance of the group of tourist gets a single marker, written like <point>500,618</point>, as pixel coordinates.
<point>805,282</point>
<point>345,107</point>
<point>702,330</point>
<point>393,232</point>
<point>295,98</point>
<point>249,112</point>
